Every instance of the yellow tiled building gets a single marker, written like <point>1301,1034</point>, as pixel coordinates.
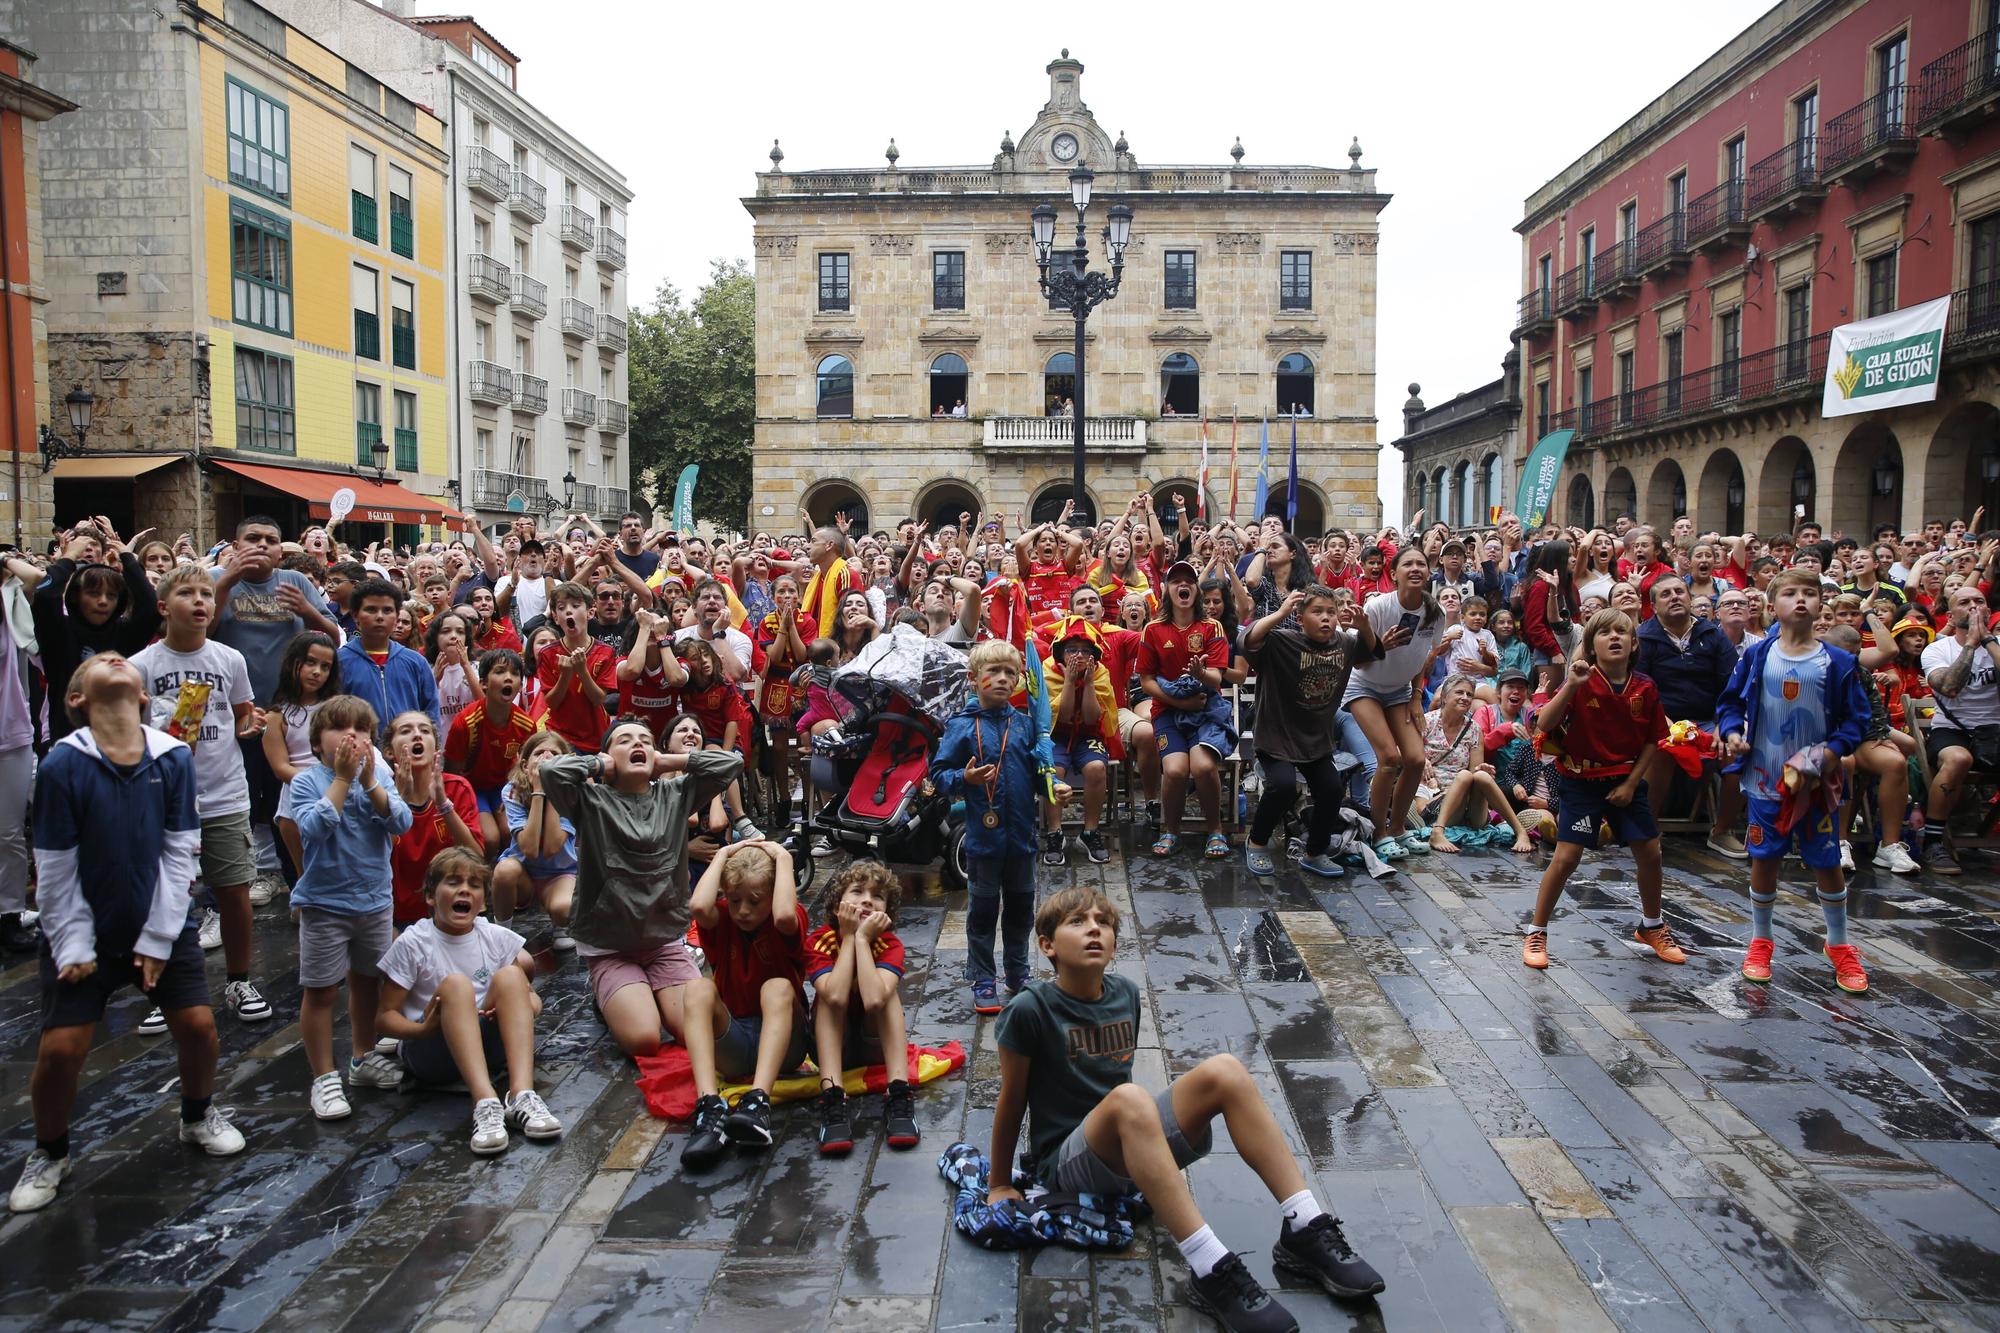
<point>278,308</point>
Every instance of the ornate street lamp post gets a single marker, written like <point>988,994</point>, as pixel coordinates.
<point>1071,286</point>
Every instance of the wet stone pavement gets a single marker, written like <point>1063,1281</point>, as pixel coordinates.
<point>1615,1142</point>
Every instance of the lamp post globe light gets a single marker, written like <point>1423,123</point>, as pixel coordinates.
<point>81,404</point>
<point>1068,284</point>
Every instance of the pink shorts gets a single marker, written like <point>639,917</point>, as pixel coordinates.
<point>656,969</point>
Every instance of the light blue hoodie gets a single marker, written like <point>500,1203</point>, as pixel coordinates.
<point>346,850</point>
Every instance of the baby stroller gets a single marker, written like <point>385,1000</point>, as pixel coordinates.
<point>897,695</point>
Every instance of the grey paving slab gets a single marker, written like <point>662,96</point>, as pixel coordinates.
<point>1611,1143</point>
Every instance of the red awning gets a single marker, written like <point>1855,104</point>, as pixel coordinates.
<point>374,501</point>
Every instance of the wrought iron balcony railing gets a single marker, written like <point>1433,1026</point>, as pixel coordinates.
<point>490,382</point>
<point>487,279</point>
<point>1661,247</point>
<point>527,196</point>
<point>488,173</point>
<point>1717,217</point>
<point>531,297</point>
<point>1961,86</point>
<point>579,319</point>
<point>531,393</point>
<point>1872,136</point>
<point>1785,179</point>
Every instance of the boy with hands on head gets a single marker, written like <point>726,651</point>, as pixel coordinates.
<point>1066,1051</point>
<point>747,1019</point>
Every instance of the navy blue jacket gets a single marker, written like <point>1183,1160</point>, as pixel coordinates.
<point>403,684</point>
<point>1690,682</point>
<point>1016,779</point>
<point>114,854</point>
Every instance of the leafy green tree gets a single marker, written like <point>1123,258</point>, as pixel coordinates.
<point>693,374</point>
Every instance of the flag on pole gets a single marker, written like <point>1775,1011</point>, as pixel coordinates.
<point>1232,467</point>
<point>1292,487</point>
<point>1201,499</point>
<point>1263,469</point>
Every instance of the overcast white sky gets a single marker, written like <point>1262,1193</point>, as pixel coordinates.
<point>1463,109</point>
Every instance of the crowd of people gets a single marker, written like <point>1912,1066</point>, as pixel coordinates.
<point>422,750</point>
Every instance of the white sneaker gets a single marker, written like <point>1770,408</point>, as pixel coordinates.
<point>560,938</point>
<point>217,1137</point>
<point>211,929</point>
<point>154,1023</point>
<point>246,1002</point>
<point>527,1112</point>
<point>41,1176</point>
<point>264,888</point>
<point>821,845</point>
<point>329,1099</point>
<point>1846,855</point>
<point>1896,857</point>
<point>388,1046</point>
<point>375,1070</point>
<point>489,1127</point>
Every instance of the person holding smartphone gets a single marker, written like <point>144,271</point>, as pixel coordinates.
<point>1406,621</point>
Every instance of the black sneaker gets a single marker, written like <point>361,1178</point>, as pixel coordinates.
<point>899,1115</point>
<point>705,1144</point>
<point>1939,858</point>
<point>1015,985</point>
<point>1320,1253</point>
<point>1093,842</point>
<point>836,1135</point>
<point>1055,848</point>
<point>1238,1301</point>
<point>750,1123</point>
<point>18,936</point>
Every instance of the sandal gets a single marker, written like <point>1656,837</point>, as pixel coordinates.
<point>1216,848</point>
<point>1259,860</point>
<point>1391,849</point>
<point>1164,844</point>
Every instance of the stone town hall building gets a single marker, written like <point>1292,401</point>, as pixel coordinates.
<point>885,295</point>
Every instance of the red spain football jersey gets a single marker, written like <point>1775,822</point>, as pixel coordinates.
<point>1166,650</point>
<point>823,950</point>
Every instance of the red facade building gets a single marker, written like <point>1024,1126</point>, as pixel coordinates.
<point>1833,162</point>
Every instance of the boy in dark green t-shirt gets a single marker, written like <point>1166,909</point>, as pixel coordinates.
<point>1066,1051</point>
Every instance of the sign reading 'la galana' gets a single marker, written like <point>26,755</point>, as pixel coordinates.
<point>1887,361</point>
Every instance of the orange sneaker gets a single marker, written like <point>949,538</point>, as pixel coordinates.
<point>1535,949</point>
<point>1847,971</point>
<point>1757,962</point>
<point>1660,939</point>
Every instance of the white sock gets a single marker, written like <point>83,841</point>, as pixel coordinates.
<point>1301,1209</point>
<point>1651,922</point>
<point>1203,1251</point>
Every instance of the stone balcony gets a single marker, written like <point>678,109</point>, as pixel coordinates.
<point>1044,435</point>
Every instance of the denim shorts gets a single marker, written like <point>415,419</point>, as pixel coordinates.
<point>1078,1170</point>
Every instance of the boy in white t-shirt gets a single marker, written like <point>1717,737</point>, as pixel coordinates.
<point>201,696</point>
<point>458,991</point>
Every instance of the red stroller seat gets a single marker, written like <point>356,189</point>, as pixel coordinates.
<point>891,771</point>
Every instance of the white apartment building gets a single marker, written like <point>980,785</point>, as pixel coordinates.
<point>538,226</point>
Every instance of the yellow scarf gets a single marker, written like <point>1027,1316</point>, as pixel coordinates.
<point>823,593</point>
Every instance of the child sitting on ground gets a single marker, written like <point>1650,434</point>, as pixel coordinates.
<point>349,817</point>
<point>461,998</point>
<point>855,963</point>
<point>1066,1054</point>
<point>629,805</point>
<point>115,911</point>
<point>538,862</point>
<point>748,1019</point>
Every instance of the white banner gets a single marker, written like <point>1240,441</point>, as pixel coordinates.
<point>1886,361</point>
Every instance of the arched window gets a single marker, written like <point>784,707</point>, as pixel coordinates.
<point>1440,497</point>
<point>1180,386</point>
<point>1461,482</point>
<point>1421,500</point>
<point>1295,385</point>
<point>1489,476</point>
<point>948,383</point>
<point>1047,508</point>
<point>1058,384</point>
<point>836,386</point>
